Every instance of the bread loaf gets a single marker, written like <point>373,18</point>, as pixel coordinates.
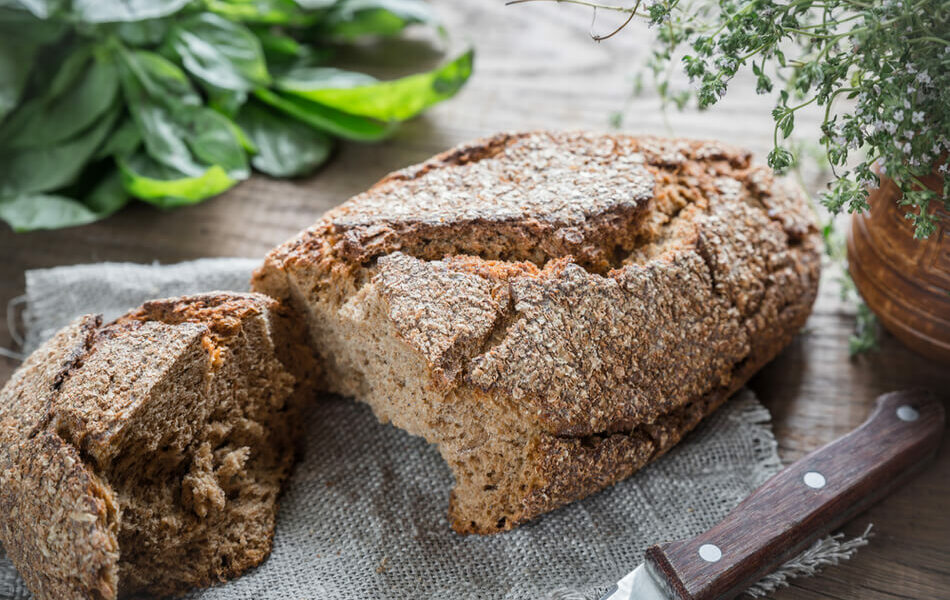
<point>553,310</point>
<point>145,456</point>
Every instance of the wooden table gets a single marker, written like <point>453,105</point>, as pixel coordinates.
<point>537,67</point>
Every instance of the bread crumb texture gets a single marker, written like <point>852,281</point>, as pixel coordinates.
<point>553,310</point>
<point>145,456</point>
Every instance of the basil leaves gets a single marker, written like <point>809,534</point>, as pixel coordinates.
<point>173,101</point>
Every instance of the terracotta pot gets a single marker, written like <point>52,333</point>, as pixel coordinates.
<point>905,281</point>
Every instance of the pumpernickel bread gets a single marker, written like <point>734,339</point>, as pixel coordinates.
<point>553,310</point>
<point>145,456</point>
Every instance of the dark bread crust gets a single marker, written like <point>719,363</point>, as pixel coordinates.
<point>71,420</point>
<point>534,278</point>
<point>59,523</point>
<point>569,468</point>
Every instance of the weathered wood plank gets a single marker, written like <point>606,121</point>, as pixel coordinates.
<point>536,67</point>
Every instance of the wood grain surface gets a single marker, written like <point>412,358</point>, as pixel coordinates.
<point>536,67</point>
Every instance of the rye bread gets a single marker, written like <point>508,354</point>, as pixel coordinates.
<point>145,456</point>
<point>553,310</point>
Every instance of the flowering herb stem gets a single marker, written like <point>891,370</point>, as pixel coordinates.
<point>881,70</point>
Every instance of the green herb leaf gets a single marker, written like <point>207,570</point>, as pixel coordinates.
<point>226,102</point>
<point>328,119</point>
<point>278,46</point>
<point>124,140</point>
<point>52,167</point>
<point>283,52</point>
<point>108,195</point>
<point>29,212</point>
<point>70,70</point>
<point>354,18</point>
<point>150,32</point>
<point>71,104</point>
<point>15,62</point>
<point>220,52</point>
<point>246,142</point>
<point>184,137</point>
<point>162,133</point>
<point>60,80</point>
<point>270,12</point>
<point>146,75</point>
<point>302,79</point>
<point>191,138</point>
<point>21,36</point>
<point>26,28</point>
<point>114,11</point>
<point>41,9</point>
<point>284,148</point>
<point>396,100</point>
<point>165,187</point>
<point>216,141</point>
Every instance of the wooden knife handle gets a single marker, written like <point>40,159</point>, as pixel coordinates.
<point>803,502</point>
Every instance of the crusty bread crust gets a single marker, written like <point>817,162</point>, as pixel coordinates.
<point>101,412</point>
<point>596,294</point>
<point>59,524</point>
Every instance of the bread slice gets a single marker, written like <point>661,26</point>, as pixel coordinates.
<point>553,310</point>
<point>145,456</point>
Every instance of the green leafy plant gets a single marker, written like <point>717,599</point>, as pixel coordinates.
<point>890,60</point>
<point>174,101</point>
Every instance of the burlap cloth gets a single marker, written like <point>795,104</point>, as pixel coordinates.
<point>364,513</point>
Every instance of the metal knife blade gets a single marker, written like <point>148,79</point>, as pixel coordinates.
<point>636,585</point>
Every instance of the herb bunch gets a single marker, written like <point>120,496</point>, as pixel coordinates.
<point>173,101</point>
<point>891,59</point>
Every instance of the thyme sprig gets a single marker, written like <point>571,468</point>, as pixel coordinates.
<point>890,60</point>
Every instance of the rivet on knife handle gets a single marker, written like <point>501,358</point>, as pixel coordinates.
<point>806,500</point>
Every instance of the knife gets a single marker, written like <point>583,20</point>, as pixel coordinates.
<point>796,506</point>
